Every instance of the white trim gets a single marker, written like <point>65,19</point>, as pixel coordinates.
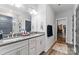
<point>75,27</point>
<point>66,25</point>
<point>61,18</point>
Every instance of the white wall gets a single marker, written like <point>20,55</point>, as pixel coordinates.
<point>45,17</point>
<point>67,14</point>
<point>39,19</point>
<point>50,20</point>
<point>75,6</point>
<point>62,21</point>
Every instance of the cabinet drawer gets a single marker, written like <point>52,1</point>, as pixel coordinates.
<point>20,51</point>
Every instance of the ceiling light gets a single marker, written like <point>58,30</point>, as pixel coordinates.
<point>18,5</point>
<point>33,12</point>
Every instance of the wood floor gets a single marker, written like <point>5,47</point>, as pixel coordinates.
<point>59,41</point>
<point>60,48</point>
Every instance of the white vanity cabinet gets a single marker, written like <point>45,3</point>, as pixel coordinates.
<point>36,45</point>
<point>31,46</point>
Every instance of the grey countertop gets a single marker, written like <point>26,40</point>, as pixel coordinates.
<point>20,38</point>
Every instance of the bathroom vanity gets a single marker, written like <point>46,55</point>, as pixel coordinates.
<point>11,44</point>
<point>32,44</point>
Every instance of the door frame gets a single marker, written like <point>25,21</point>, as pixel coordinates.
<point>75,27</point>
<point>66,25</point>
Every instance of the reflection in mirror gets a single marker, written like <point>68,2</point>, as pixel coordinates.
<point>5,25</point>
<point>28,26</point>
<point>13,26</point>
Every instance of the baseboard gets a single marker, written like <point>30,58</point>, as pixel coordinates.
<point>69,42</point>
<point>42,53</point>
<point>50,49</point>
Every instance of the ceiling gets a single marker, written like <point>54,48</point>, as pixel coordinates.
<point>24,8</point>
<point>34,6</point>
<point>61,7</point>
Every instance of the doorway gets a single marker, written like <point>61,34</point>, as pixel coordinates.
<point>61,30</point>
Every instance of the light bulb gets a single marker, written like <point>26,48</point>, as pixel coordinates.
<point>34,12</point>
<point>18,5</point>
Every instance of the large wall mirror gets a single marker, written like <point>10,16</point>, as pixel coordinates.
<point>10,24</point>
<point>5,24</point>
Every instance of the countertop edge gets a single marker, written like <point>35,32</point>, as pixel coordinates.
<point>4,44</point>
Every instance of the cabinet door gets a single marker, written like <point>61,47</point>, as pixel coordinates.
<point>38,45</point>
<point>24,50</point>
<point>32,46</point>
<point>42,38</point>
<point>14,52</point>
<point>32,51</point>
<point>19,51</point>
